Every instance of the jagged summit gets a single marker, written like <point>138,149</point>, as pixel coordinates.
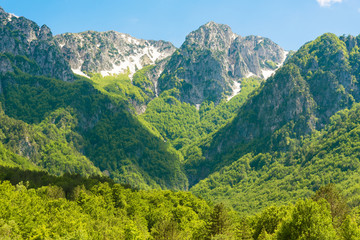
<point>21,36</point>
<point>214,36</point>
<point>110,52</point>
<point>212,61</point>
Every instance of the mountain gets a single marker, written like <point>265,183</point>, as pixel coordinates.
<point>71,126</point>
<point>212,61</point>
<point>292,103</point>
<point>51,145</point>
<point>182,124</point>
<point>256,181</point>
<point>105,132</point>
<point>110,52</point>
<point>23,38</point>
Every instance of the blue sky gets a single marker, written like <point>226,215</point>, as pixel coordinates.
<point>290,23</point>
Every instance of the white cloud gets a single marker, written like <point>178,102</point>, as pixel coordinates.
<point>328,3</point>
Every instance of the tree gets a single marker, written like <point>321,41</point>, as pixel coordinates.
<point>309,220</point>
<point>219,220</point>
<point>268,221</point>
<point>338,206</point>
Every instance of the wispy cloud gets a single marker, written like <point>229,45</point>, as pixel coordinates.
<point>328,3</point>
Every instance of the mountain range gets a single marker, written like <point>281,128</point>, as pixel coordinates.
<point>224,116</point>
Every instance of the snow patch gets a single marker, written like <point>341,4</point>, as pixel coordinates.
<point>267,73</point>
<point>286,53</point>
<point>236,89</point>
<point>10,16</point>
<point>79,72</point>
<point>134,61</point>
<point>250,74</point>
<point>233,36</point>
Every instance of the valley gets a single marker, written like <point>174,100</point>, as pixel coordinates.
<point>108,136</point>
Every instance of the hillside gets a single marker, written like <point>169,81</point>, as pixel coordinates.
<point>256,181</point>
<point>25,40</point>
<point>110,52</point>
<point>247,127</point>
<point>292,103</point>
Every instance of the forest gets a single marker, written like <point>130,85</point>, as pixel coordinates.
<point>134,156</point>
<point>36,205</point>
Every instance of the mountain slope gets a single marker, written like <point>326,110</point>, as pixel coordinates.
<point>140,158</point>
<point>183,124</point>
<point>50,145</point>
<point>22,37</point>
<point>213,59</point>
<point>256,181</point>
<point>110,52</point>
<point>292,103</point>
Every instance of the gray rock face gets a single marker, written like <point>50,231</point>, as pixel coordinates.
<point>20,36</point>
<point>212,58</point>
<point>5,65</point>
<point>320,79</point>
<point>110,52</point>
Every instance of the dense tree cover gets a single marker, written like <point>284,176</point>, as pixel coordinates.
<point>95,209</point>
<point>10,159</point>
<point>141,80</point>
<point>51,144</point>
<point>316,82</point>
<point>256,181</point>
<point>182,124</point>
<point>101,129</point>
<point>36,205</point>
<point>88,127</point>
<point>176,121</point>
<point>39,178</point>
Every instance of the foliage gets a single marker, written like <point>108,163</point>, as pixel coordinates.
<point>141,80</point>
<point>309,220</point>
<point>102,129</point>
<point>94,209</point>
<point>73,207</point>
<point>120,87</point>
<point>50,145</point>
<point>256,181</point>
<point>182,125</point>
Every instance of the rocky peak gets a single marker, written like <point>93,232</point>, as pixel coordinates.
<point>21,36</point>
<point>213,60</point>
<point>110,52</point>
<point>318,80</point>
<point>45,33</point>
<point>213,36</point>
